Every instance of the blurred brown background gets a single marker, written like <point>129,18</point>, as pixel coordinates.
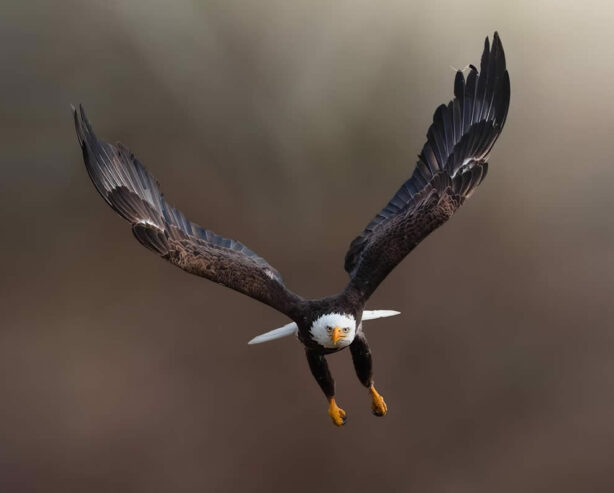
<point>288,125</point>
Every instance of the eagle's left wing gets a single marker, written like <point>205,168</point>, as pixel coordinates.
<point>452,164</point>
<point>133,193</point>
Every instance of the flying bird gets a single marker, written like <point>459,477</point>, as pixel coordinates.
<point>452,164</point>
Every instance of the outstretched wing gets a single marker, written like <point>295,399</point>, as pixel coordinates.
<point>133,193</point>
<point>450,167</point>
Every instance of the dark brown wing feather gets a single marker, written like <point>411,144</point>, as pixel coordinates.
<point>132,192</point>
<point>451,165</point>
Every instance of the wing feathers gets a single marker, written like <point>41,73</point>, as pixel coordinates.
<point>151,237</point>
<point>132,192</point>
<point>450,167</point>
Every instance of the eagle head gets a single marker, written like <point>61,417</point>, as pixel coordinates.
<point>334,330</point>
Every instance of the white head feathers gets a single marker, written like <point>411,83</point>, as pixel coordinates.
<point>322,328</point>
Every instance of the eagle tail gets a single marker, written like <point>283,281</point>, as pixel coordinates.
<point>284,331</point>
<point>371,314</point>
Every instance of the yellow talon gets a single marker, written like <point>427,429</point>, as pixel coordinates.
<point>378,406</point>
<point>336,413</point>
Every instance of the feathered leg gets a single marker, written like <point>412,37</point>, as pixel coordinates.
<point>319,369</point>
<point>361,356</point>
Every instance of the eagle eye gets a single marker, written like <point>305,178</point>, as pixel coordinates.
<point>346,330</point>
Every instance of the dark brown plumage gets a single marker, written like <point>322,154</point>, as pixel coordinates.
<point>129,189</point>
<point>452,164</point>
<point>450,167</point>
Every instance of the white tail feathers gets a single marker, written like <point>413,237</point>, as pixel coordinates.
<point>371,314</point>
<point>292,328</point>
<point>284,331</point>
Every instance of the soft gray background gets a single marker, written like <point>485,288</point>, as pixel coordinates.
<point>287,125</point>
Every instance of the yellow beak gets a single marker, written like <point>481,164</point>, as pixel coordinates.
<point>336,335</point>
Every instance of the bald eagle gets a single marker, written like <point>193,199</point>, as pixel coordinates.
<point>452,164</point>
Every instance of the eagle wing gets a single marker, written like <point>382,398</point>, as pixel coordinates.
<point>134,194</point>
<point>453,162</point>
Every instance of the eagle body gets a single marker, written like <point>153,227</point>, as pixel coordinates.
<point>451,165</point>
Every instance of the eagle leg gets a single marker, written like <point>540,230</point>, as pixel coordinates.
<point>363,364</point>
<point>337,414</point>
<point>378,405</point>
<point>320,371</point>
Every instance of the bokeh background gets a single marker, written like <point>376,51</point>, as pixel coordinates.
<point>288,125</point>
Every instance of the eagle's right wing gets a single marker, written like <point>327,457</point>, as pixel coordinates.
<point>452,164</point>
<point>132,192</point>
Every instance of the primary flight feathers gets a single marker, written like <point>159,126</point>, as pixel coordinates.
<point>131,191</point>
<point>451,165</point>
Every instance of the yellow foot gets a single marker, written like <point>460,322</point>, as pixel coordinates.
<point>378,406</point>
<point>336,413</point>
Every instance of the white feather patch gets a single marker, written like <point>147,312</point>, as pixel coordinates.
<point>284,331</point>
<point>148,222</point>
<point>371,314</point>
